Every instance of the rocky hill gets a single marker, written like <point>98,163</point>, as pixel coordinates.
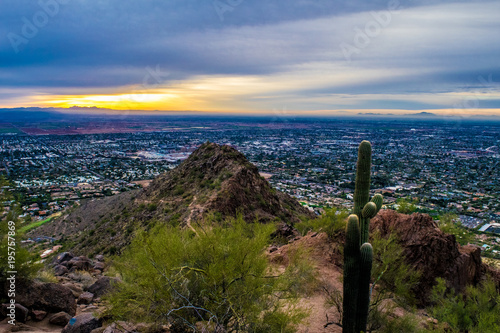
<point>214,182</point>
<point>434,253</point>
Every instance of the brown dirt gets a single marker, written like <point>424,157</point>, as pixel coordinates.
<point>324,255</point>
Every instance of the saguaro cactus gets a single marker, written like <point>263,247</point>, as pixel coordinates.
<point>358,253</point>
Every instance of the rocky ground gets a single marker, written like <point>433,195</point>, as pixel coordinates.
<point>66,306</point>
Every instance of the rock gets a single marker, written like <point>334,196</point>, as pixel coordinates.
<point>125,327</point>
<point>10,310</point>
<point>99,257</point>
<point>83,323</point>
<point>100,266</point>
<point>75,288</point>
<point>101,286</point>
<point>284,230</point>
<point>81,263</point>
<point>62,258</point>
<point>90,308</point>
<point>60,270</point>
<point>60,319</point>
<point>50,297</point>
<point>98,330</point>
<point>432,252</point>
<point>38,315</point>
<point>85,298</point>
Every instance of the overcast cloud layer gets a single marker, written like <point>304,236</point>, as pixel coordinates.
<point>254,55</point>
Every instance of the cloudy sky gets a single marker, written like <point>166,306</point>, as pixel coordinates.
<point>296,56</point>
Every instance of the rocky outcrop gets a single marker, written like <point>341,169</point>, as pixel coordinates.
<point>81,263</point>
<point>50,297</point>
<point>221,180</point>
<point>434,253</point>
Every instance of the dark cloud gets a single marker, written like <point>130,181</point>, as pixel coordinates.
<point>111,43</point>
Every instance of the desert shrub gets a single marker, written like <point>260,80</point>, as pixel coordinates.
<point>475,311</point>
<point>332,221</point>
<point>393,277</point>
<point>406,206</point>
<point>24,264</point>
<point>152,207</point>
<point>46,277</point>
<point>217,275</point>
<point>405,324</point>
<point>450,223</point>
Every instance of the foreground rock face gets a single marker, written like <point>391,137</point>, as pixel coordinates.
<point>431,251</point>
<point>50,297</point>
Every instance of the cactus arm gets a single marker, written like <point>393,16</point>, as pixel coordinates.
<point>378,199</point>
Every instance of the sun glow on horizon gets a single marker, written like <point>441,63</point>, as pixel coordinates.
<point>258,95</point>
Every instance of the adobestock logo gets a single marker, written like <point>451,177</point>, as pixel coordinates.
<point>30,28</point>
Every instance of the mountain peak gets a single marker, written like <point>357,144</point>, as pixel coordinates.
<point>219,179</point>
<point>216,182</point>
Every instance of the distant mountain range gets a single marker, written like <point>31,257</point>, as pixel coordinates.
<point>77,113</point>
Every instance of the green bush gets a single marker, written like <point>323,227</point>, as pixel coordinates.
<point>475,311</point>
<point>450,223</point>
<point>406,206</point>
<point>393,277</point>
<point>405,324</point>
<point>332,221</point>
<point>24,262</point>
<point>217,275</point>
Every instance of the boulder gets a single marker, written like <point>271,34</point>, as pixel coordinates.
<point>98,330</point>
<point>59,319</point>
<point>21,312</point>
<point>60,270</point>
<point>99,265</point>
<point>50,297</point>
<point>432,252</point>
<point>62,258</point>
<point>81,263</point>
<point>284,230</point>
<point>99,257</point>
<point>101,286</point>
<point>75,288</point>
<point>85,298</point>
<point>83,323</point>
<point>38,315</point>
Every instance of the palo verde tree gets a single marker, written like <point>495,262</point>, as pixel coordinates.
<point>358,253</point>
